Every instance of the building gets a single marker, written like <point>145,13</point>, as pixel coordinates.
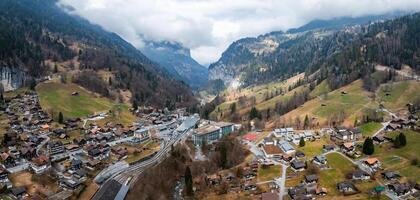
<point>271,151</point>
<point>360,175</point>
<point>346,187</point>
<point>40,164</point>
<point>142,134</point>
<point>212,132</point>
<point>320,160</point>
<point>286,147</point>
<point>283,132</point>
<point>56,147</point>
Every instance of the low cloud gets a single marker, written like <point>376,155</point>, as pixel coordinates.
<point>207,27</point>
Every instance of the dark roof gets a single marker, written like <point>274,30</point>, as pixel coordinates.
<point>18,190</point>
<point>108,191</point>
<point>311,178</point>
<point>343,185</point>
<point>297,164</point>
<point>359,173</point>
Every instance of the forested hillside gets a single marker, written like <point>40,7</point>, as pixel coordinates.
<point>38,37</point>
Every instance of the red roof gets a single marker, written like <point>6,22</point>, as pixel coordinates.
<point>250,136</point>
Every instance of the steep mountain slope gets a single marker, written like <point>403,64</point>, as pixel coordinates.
<point>38,37</point>
<point>177,60</point>
<point>278,55</point>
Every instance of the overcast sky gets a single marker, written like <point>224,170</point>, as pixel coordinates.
<point>207,27</point>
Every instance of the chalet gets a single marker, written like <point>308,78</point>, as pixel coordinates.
<point>40,164</point>
<point>320,160</point>
<point>346,187</point>
<point>142,134</point>
<point>8,160</point>
<point>55,147</point>
<point>390,175</point>
<point>76,164</point>
<point>311,179</point>
<point>360,175</point>
<point>344,136</point>
<point>271,151</point>
<point>299,192</point>
<point>286,147</point>
<point>378,139</point>
<point>92,164</point>
<point>70,183</point>
<point>295,138</point>
<point>357,133</point>
<point>392,127</point>
<point>80,174</point>
<point>347,147</point>
<point>27,153</point>
<point>320,191</point>
<point>18,192</point>
<point>299,154</point>
<point>328,147</point>
<point>283,132</point>
<point>298,165</point>
<point>400,189</point>
<point>98,154</point>
<point>373,163</point>
<point>119,153</point>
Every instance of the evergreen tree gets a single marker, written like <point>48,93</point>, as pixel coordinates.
<point>402,139</point>
<point>223,157</point>
<point>55,68</point>
<point>397,142</point>
<point>232,108</point>
<point>60,118</point>
<point>368,147</point>
<point>135,106</point>
<point>306,122</point>
<point>302,142</point>
<point>254,114</point>
<point>188,181</point>
<point>109,81</point>
<point>1,98</point>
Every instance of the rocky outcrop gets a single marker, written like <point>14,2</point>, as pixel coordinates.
<point>11,78</point>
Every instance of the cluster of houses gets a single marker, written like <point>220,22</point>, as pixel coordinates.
<point>72,151</point>
<point>398,123</point>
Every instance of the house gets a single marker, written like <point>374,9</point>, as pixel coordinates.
<point>357,133</point>
<point>328,147</point>
<point>69,183</point>
<point>360,175</point>
<point>286,147</point>
<point>400,189</point>
<point>347,147</point>
<point>390,175</point>
<point>18,192</point>
<point>27,153</point>
<point>346,187</point>
<point>40,164</point>
<point>4,179</point>
<point>298,192</point>
<point>372,163</point>
<point>271,151</point>
<point>392,127</point>
<point>269,196</point>
<point>298,165</point>
<point>76,164</point>
<point>308,135</point>
<point>320,160</point>
<point>56,147</point>
<point>379,139</point>
<point>344,135</point>
<point>311,179</point>
<point>7,159</point>
<point>299,154</point>
<point>80,174</point>
<point>98,154</point>
<point>280,132</point>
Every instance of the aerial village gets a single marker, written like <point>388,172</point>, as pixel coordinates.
<point>294,164</point>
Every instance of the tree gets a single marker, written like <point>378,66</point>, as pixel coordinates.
<point>135,106</point>
<point>188,181</point>
<point>1,98</point>
<point>233,108</point>
<point>302,142</point>
<point>109,81</point>
<point>368,147</point>
<point>60,118</point>
<point>402,139</point>
<point>223,156</point>
<point>306,122</point>
<point>32,84</point>
<point>55,68</point>
<point>254,114</point>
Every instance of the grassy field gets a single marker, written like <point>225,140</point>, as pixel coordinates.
<point>269,173</point>
<point>320,89</point>
<point>312,149</point>
<point>349,105</point>
<point>400,159</point>
<point>57,97</point>
<point>340,167</point>
<point>370,128</point>
<point>399,94</point>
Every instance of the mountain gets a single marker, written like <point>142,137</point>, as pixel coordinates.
<point>279,55</point>
<point>38,37</point>
<point>177,60</point>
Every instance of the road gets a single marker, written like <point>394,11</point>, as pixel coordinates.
<point>281,182</point>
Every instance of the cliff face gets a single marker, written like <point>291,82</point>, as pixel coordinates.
<point>11,78</point>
